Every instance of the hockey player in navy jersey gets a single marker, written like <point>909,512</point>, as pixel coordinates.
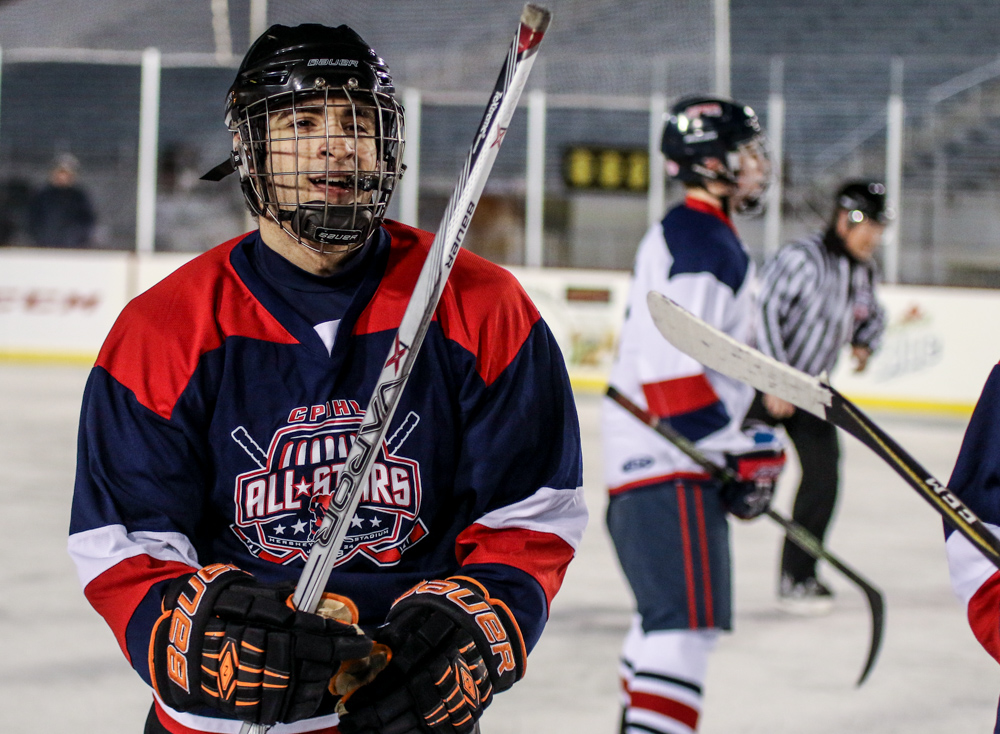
<point>224,401</point>
<point>976,480</point>
<point>666,516</point>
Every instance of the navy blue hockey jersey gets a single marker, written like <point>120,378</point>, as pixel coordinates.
<point>216,421</point>
<point>976,481</point>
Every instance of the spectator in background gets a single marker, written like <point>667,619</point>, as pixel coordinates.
<point>61,215</point>
<point>14,196</point>
<point>818,295</point>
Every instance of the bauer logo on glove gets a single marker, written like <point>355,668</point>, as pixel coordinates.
<point>453,647</point>
<point>226,641</point>
<point>756,469</point>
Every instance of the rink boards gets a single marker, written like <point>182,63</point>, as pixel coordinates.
<point>57,306</point>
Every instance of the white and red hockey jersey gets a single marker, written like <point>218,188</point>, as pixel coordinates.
<point>695,257</point>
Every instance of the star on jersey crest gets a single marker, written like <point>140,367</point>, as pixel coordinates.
<point>302,488</point>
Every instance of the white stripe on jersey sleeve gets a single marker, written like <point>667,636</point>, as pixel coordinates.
<point>969,569</point>
<point>95,551</point>
<point>561,512</point>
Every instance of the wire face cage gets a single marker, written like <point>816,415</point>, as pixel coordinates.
<point>322,163</point>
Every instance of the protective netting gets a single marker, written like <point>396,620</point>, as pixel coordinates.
<point>836,112</point>
<point>69,82</point>
<point>838,68</point>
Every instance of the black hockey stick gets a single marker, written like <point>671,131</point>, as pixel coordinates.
<point>723,354</point>
<point>330,536</point>
<point>796,533</point>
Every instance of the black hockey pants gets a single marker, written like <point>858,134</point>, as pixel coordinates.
<point>818,449</point>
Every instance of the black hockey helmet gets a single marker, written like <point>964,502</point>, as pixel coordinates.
<point>861,199</point>
<point>699,128</point>
<point>306,69</point>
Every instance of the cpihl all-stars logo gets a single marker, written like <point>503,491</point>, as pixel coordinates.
<point>280,505</point>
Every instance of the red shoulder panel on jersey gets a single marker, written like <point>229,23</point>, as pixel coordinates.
<point>682,395</point>
<point>117,592</point>
<point>543,556</point>
<point>154,346</point>
<point>469,312</point>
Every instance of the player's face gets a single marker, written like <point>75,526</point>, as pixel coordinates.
<point>863,238</point>
<point>319,151</point>
<point>755,174</point>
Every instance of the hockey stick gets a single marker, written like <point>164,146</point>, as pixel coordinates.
<point>721,353</point>
<point>329,538</point>
<point>796,533</point>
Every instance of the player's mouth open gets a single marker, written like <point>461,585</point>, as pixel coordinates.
<point>334,186</point>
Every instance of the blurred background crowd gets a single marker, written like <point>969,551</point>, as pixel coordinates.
<point>127,100</point>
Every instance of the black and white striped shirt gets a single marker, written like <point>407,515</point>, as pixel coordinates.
<point>813,300</point>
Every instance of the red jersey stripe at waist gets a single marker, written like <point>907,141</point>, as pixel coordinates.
<point>649,481</point>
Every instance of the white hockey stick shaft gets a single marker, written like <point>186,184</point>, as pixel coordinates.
<point>419,313</point>
<point>722,353</point>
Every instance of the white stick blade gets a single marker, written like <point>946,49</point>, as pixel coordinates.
<point>722,353</point>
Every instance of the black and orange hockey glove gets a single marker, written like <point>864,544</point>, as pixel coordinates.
<point>453,647</point>
<point>230,642</point>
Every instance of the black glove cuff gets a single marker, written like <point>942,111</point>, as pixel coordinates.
<point>487,620</point>
<point>175,643</point>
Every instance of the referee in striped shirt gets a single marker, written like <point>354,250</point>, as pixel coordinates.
<point>817,295</point>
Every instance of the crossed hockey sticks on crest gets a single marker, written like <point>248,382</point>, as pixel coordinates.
<point>724,354</point>
<point>795,532</point>
<point>245,441</point>
<point>329,538</point>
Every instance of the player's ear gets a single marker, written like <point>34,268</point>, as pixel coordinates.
<point>841,222</point>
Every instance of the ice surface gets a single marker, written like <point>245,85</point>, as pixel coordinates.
<point>61,669</point>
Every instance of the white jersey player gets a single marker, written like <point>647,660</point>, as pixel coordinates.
<point>666,515</point>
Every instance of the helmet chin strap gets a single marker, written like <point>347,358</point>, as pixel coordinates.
<point>328,226</point>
